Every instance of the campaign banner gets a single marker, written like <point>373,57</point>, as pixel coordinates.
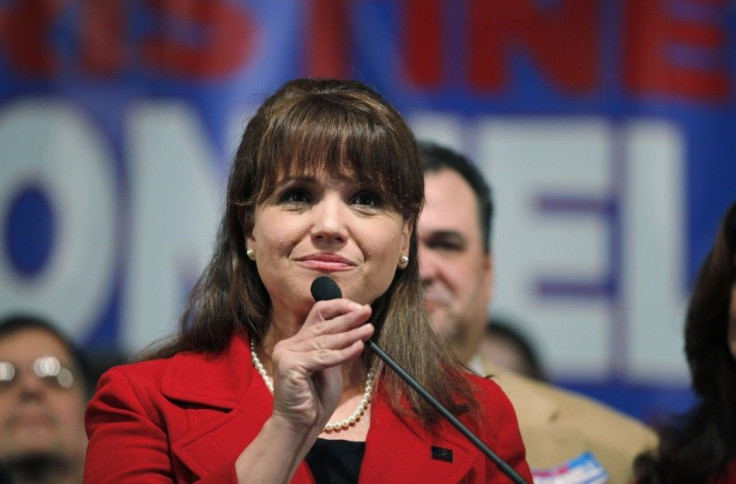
<point>606,129</point>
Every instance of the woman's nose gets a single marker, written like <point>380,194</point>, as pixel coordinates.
<point>329,224</point>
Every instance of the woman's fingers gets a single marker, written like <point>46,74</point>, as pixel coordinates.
<point>333,334</point>
<point>327,338</point>
<point>340,313</point>
<point>323,351</point>
<point>306,366</point>
<point>331,325</point>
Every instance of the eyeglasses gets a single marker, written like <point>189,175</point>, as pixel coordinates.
<point>48,369</point>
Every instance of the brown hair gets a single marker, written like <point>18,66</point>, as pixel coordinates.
<point>698,445</point>
<point>343,127</point>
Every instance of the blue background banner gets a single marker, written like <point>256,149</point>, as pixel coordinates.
<point>606,127</point>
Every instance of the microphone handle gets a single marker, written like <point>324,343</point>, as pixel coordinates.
<point>505,468</point>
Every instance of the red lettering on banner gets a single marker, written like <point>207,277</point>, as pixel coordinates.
<point>563,41</point>
<point>25,28</point>
<point>423,59</point>
<point>220,45</point>
<point>328,39</point>
<point>649,66</point>
<point>103,37</point>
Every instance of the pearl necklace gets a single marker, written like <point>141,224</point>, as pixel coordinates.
<point>331,426</point>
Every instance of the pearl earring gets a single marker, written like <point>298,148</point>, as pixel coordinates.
<point>251,253</point>
<point>404,260</point>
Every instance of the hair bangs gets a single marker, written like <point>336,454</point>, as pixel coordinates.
<point>324,135</point>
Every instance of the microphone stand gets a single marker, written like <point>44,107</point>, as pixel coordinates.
<point>323,288</point>
<point>505,468</point>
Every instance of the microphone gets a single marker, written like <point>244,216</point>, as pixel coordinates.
<point>323,288</point>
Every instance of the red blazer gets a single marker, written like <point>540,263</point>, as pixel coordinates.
<point>187,418</point>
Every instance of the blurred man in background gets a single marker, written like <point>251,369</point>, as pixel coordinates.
<point>567,436</point>
<point>43,394</point>
<point>504,344</point>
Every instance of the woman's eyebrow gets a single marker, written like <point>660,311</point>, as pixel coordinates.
<point>296,179</point>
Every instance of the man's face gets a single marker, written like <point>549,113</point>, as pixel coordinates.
<point>456,273</point>
<point>38,417</point>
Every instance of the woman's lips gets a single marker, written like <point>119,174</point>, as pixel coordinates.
<point>326,262</point>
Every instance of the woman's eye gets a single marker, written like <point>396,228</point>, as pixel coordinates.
<point>367,198</point>
<point>297,195</point>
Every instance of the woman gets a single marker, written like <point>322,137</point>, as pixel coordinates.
<point>700,446</point>
<point>326,181</point>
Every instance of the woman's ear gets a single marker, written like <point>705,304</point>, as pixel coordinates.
<point>406,232</point>
<point>246,225</point>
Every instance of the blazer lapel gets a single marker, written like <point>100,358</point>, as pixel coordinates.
<point>401,451</point>
<point>225,403</point>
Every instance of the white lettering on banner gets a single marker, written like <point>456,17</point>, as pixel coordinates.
<point>175,204</point>
<point>588,239</point>
<point>533,161</point>
<point>53,146</point>
<point>654,279</point>
<point>587,236</point>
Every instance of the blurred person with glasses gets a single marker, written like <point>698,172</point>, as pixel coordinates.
<point>43,394</point>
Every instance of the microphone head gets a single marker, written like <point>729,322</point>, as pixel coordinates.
<point>324,288</point>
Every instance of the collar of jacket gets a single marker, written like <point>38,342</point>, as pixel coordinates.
<point>234,403</point>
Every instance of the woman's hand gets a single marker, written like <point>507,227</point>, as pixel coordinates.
<point>307,367</point>
<point>307,380</point>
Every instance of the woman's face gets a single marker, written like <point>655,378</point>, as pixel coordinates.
<point>312,225</point>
